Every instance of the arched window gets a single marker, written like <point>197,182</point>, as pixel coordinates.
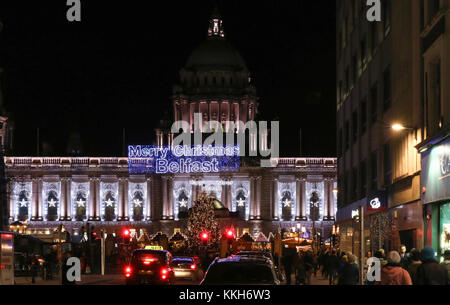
<point>286,203</point>
<point>183,204</point>
<point>52,206</point>
<point>23,206</point>
<point>110,204</point>
<point>241,204</point>
<point>138,206</point>
<point>80,204</point>
<point>314,206</point>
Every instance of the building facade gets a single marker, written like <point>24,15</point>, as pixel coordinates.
<point>215,83</point>
<point>392,89</point>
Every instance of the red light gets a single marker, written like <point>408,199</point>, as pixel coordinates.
<point>205,236</point>
<point>164,272</point>
<point>193,267</point>
<point>148,260</point>
<point>126,232</point>
<point>230,233</point>
<point>128,271</point>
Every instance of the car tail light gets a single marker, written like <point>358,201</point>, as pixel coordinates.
<point>164,273</point>
<point>193,266</point>
<point>128,271</point>
<point>148,260</point>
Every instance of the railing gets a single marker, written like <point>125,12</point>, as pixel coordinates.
<point>300,162</point>
<point>64,162</point>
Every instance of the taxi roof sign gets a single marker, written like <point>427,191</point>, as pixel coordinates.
<point>153,248</point>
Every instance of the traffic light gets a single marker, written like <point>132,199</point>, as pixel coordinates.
<point>126,234</point>
<point>229,234</point>
<point>204,237</point>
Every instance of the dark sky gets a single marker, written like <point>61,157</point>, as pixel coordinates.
<point>116,68</point>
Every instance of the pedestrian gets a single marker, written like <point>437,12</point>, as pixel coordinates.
<point>308,263</point>
<point>393,273</point>
<point>380,255</point>
<point>325,259</point>
<point>404,257</point>
<point>414,258</point>
<point>350,272</point>
<point>287,261</point>
<point>446,263</point>
<point>34,269</point>
<point>300,273</point>
<point>332,267</point>
<point>431,272</point>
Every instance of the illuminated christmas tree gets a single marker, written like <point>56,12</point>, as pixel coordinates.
<point>202,228</point>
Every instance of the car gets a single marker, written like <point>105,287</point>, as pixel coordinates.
<point>256,253</point>
<point>241,270</point>
<point>187,268</point>
<point>150,267</point>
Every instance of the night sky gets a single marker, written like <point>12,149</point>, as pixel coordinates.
<point>116,68</point>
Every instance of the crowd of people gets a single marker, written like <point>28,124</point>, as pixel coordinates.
<point>341,268</point>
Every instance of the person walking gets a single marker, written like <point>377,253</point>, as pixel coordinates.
<point>287,261</point>
<point>392,273</point>
<point>414,257</point>
<point>431,272</point>
<point>446,263</point>
<point>349,274</point>
<point>332,266</point>
<point>404,257</point>
<point>300,273</point>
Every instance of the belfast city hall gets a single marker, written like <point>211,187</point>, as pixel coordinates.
<point>47,192</point>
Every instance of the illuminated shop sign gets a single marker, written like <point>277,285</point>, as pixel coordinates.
<point>377,201</point>
<point>183,159</point>
<point>435,176</point>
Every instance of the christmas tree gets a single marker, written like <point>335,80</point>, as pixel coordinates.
<point>202,219</point>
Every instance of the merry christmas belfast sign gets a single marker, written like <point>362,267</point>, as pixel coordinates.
<point>181,159</point>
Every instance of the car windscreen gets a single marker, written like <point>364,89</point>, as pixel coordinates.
<point>239,273</point>
<point>182,262</point>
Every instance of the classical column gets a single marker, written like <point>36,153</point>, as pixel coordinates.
<point>229,197</point>
<point>326,200</point>
<point>170,199</point>
<point>298,199</point>
<point>275,199</point>
<point>258,197</point>
<point>149,199</point>
<point>40,209</point>
<point>12,203</point>
<point>98,200</point>
<point>303,200</point>
<point>332,195</point>
<point>35,198</point>
<point>62,200</point>
<point>91,199</point>
<point>69,199</point>
<point>164,197</point>
<point>252,198</point>
<point>126,209</point>
<point>194,190</point>
<point>120,199</point>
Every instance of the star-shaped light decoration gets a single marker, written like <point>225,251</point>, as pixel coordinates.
<point>241,202</point>
<point>183,203</point>
<point>81,202</point>
<point>137,202</point>
<point>109,202</point>
<point>52,203</point>
<point>287,203</point>
<point>23,202</point>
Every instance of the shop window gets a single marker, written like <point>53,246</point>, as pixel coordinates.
<point>286,203</point>
<point>81,203</point>
<point>23,206</point>
<point>110,204</point>
<point>138,206</point>
<point>52,206</point>
<point>241,203</point>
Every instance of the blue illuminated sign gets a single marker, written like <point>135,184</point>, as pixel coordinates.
<point>182,159</point>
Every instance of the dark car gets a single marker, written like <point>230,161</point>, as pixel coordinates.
<point>241,270</point>
<point>150,267</point>
<point>255,253</point>
<point>187,268</point>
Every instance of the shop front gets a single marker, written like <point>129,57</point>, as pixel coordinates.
<point>435,183</point>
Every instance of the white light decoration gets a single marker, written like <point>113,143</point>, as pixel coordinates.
<point>111,188</point>
<point>21,196</point>
<point>335,199</point>
<point>244,187</point>
<point>179,187</point>
<point>137,189</point>
<point>51,188</point>
<point>319,188</point>
<point>79,189</point>
<point>283,188</point>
